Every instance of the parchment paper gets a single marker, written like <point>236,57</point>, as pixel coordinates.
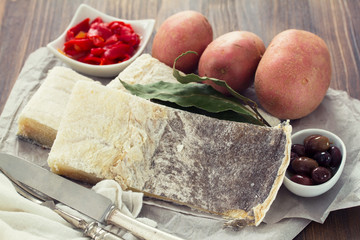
<point>287,216</point>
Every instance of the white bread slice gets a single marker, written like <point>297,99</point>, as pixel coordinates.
<point>221,167</point>
<point>144,70</point>
<point>40,118</point>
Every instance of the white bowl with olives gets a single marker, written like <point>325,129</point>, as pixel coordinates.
<point>317,161</point>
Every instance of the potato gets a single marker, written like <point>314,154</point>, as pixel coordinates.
<point>181,32</point>
<point>232,57</point>
<point>293,75</point>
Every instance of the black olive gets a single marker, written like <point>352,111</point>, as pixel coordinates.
<point>323,158</point>
<point>304,165</point>
<point>320,175</point>
<point>299,149</point>
<point>336,156</point>
<point>317,144</point>
<point>301,179</point>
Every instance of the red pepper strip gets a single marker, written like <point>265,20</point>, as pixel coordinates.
<point>78,44</point>
<point>98,41</point>
<point>84,26</point>
<point>75,54</point>
<point>117,51</point>
<point>112,40</point>
<point>116,25</point>
<point>132,39</point>
<point>99,32</point>
<point>108,61</point>
<point>136,40</point>
<point>91,60</point>
<point>125,33</point>
<point>71,52</point>
<point>127,57</point>
<point>120,28</point>
<point>97,51</point>
<point>97,20</point>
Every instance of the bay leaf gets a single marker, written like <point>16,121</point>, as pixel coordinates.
<point>188,78</point>
<point>191,95</point>
<point>194,97</point>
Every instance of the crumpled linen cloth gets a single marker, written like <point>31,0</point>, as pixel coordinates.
<point>22,219</point>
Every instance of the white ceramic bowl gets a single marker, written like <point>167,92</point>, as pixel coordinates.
<point>316,190</point>
<point>143,28</point>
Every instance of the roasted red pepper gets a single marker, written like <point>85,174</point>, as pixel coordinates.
<point>78,44</point>
<point>101,43</point>
<point>83,26</point>
<point>118,51</point>
<point>98,33</point>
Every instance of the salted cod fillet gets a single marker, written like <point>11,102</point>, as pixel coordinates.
<point>39,120</point>
<point>221,167</point>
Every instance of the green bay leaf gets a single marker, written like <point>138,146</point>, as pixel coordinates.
<point>189,78</point>
<point>194,97</point>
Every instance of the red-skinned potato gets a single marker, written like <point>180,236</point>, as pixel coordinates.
<point>293,75</point>
<point>232,57</point>
<point>182,32</point>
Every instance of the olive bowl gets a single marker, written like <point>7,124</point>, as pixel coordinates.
<point>316,190</point>
<point>143,28</point>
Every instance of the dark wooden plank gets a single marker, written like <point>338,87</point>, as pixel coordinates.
<point>340,225</point>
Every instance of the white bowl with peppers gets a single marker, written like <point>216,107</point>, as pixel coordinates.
<point>317,160</point>
<point>100,45</point>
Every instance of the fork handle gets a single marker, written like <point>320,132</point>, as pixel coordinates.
<point>91,229</point>
<point>138,229</point>
<point>96,232</point>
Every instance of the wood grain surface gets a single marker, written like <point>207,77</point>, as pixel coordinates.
<point>27,25</point>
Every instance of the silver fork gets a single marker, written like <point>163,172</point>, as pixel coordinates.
<point>90,229</point>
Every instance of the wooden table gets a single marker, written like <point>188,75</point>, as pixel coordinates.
<point>27,25</point>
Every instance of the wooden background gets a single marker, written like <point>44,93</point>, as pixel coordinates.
<point>26,25</point>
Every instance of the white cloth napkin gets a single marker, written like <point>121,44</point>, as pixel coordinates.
<point>22,219</point>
